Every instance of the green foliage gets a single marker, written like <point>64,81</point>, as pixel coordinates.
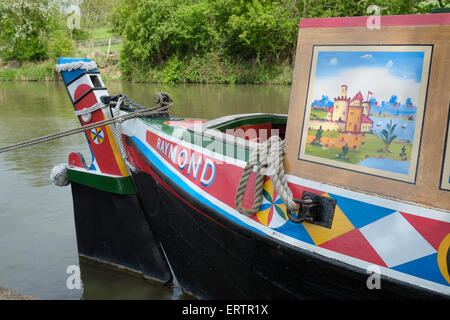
<point>60,45</point>
<point>263,30</point>
<point>319,134</point>
<point>95,13</point>
<point>29,71</point>
<point>25,27</point>
<point>158,30</point>
<point>403,154</point>
<point>256,38</point>
<point>388,135</point>
<point>173,70</point>
<point>79,34</point>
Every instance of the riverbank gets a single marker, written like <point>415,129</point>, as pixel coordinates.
<point>45,71</point>
<point>209,69</point>
<point>8,294</point>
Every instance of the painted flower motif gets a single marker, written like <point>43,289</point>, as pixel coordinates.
<point>272,212</point>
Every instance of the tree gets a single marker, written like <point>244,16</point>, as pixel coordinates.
<point>95,13</point>
<point>25,26</point>
<point>319,134</point>
<point>388,135</point>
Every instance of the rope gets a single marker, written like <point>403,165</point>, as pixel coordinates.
<point>118,134</point>
<point>71,66</point>
<point>271,155</point>
<point>91,109</point>
<point>135,114</point>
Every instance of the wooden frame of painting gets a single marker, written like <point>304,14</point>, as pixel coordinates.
<point>445,177</point>
<point>364,108</point>
<point>418,177</point>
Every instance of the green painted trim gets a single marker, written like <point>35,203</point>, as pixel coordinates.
<point>440,10</point>
<point>118,185</point>
<point>220,147</point>
<point>196,139</point>
<point>249,121</point>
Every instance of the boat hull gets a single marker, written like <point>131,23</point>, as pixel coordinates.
<point>214,258</point>
<point>111,228</point>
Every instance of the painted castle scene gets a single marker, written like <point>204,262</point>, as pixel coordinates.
<point>364,109</point>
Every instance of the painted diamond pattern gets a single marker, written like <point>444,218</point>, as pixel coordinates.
<point>395,240</point>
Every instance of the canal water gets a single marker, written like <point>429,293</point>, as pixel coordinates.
<point>37,231</point>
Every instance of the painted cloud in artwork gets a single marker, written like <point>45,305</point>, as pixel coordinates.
<point>378,72</point>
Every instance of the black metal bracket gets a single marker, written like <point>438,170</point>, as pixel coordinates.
<point>314,209</point>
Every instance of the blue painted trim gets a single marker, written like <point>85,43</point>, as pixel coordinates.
<point>178,181</point>
<point>70,75</point>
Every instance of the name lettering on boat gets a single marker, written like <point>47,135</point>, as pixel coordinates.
<point>194,164</point>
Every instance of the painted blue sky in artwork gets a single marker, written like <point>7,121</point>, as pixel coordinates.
<point>404,65</point>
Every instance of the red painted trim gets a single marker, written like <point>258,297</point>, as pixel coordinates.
<point>386,21</point>
<point>138,162</point>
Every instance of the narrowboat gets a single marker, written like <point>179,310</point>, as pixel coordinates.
<point>335,200</point>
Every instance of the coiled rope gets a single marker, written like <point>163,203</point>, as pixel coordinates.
<point>71,66</point>
<point>270,154</point>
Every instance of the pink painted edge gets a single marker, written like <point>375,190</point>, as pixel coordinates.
<point>401,20</point>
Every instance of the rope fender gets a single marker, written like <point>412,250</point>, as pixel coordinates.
<point>271,154</point>
<point>71,66</point>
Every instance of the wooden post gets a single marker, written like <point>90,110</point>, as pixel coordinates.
<point>109,47</point>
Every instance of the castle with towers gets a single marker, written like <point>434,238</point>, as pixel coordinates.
<point>349,117</point>
<point>354,112</point>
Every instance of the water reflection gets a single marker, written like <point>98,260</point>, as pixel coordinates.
<point>37,232</point>
<point>102,283</point>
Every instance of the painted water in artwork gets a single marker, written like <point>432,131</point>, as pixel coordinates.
<point>365,108</point>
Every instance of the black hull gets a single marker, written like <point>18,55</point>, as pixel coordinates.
<point>215,258</point>
<point>112,229</point>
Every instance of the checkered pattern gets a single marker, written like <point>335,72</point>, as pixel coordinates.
<point>392,239</point>
<point>395,240</point>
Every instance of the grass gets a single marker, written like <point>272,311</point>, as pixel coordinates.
<point>103,49</point>
<point>101,33</point>
<point>318,114</point>
<point>371,149</point>
<point>210,68</point>
<point>43,71</point>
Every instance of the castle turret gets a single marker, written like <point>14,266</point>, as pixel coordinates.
<point>343,93</point>
<point>340,105</point>
<point>366,108</point>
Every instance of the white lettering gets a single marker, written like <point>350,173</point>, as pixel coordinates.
<point>182,153</point>
<point>173,153</point>
<point>374,280</point>
<point>74,280</point>
<point>374,21</point>
<point>196,166</point>
<point>207,181</point>
<point>199,310</point>
<point>158,144</point>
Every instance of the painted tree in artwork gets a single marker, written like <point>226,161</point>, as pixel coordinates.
<point>388,135</point>
<point>318,135</point>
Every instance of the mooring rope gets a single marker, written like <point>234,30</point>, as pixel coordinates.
<point>271,155</point>
<point>118,135</point>
<point>160,109</point>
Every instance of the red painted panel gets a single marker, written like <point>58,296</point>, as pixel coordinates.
<point>99,140</point>
<point>399,20</point>
<point>354,244</point>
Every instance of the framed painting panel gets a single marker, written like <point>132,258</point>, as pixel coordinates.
<point>445,178</point>
<point>364,108</point>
